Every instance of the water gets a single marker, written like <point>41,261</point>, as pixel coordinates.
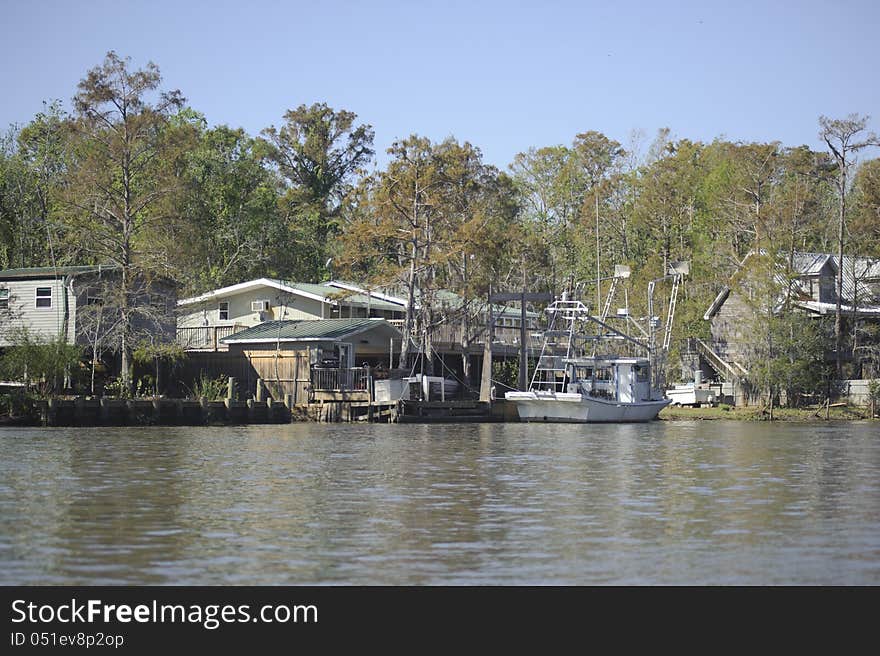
<point>660,503</point>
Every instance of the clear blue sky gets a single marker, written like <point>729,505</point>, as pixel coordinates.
<point>504,75</point>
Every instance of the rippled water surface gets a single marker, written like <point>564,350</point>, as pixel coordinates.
<point>660,503</point>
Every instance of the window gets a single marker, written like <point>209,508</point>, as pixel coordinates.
<point>44,297</point>
<point>4,299</point>
<point>94,300</point>
<point>604,373</point>
<point>584,373</point>
<point>223,311</point>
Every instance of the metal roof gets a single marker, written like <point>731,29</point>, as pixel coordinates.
<point>343,295</point>
<point>858,274</point>
<point>322,292</point>
<point>307,330</point>
<point>54,272</point>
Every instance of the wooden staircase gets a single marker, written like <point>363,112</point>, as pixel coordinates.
<point>731,372</point>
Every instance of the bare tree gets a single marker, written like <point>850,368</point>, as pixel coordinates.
<point>844,138</point>
<point>117,196</point>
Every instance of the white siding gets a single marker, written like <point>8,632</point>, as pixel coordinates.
<point>22,312</point>
<point>282,306</point>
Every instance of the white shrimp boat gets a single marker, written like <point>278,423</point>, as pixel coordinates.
<point>570,386</point>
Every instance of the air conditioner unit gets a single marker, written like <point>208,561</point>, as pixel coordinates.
<point>259,306</point>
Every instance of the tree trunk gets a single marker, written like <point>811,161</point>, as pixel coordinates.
<point>838,319</point>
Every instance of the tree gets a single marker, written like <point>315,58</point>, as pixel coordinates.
<point>396,229</point>
<point>231,208</point>
<point>319,151</point>
<point>476,237</point>
<point>117,201</point>
<point>844,138</point>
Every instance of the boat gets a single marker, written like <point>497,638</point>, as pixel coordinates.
<point>689,394</point>
<point>694,393</point>
<point>571,383</point>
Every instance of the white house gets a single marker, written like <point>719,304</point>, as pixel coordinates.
<point>206,319</point>
<point>52,302</point>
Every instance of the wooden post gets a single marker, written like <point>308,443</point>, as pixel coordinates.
<point>259,394</point>
<point>79,412</point>
<point>486,374</point>
<point>523,355</point>
<point>230,389</point>
<point>370,395</point>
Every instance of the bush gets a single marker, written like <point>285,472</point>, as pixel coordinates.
<point>18,406</point>
<point>213,389</point>
<point>40,362</point>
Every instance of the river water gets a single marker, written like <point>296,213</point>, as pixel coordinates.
<point>660,503</point>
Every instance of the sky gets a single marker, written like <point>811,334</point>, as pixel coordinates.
<point>503,75</point>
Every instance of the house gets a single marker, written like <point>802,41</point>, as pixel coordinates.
<point>206,319</point>
<point>325,355</point>
<point>813,289</point>
<point>61,302</point>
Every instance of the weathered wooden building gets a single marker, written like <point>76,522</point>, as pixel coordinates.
<point>305,358</point>
<point>808,282</point>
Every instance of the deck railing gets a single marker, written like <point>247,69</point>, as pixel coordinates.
<point>206,338</point>
<point>451,333</point>
<point>327,379</point>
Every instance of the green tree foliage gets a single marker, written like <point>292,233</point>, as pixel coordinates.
<point>33,163</point>
<point>230,206</point>
<point>319,152</point>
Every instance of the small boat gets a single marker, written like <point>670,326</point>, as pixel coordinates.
<point>688,394</point>
<point>569,385</point>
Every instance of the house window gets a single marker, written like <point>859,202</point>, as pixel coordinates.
<point>94,300</point>
<point>44,297</point>
<point>4,299</point>
<point>223,311</point>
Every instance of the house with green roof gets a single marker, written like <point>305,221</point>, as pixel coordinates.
<point>204,320</point>
<point>292,356</point>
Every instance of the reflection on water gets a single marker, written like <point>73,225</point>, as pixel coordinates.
<point>660,503</point>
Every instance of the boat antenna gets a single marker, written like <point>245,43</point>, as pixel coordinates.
<point>598,280</point>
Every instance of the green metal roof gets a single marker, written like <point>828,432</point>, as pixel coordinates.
<point>309,329</point>
<point>342,295</point>
<point>453,300</point>
<point>52,272</point>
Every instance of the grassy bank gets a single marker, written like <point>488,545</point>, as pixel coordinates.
<point>760,414</point>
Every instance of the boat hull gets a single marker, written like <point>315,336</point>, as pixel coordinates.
<point>577,408</point>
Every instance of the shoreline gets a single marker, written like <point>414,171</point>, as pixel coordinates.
<point>758,413</point>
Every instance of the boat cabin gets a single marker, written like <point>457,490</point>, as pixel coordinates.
<point>626,380</point>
